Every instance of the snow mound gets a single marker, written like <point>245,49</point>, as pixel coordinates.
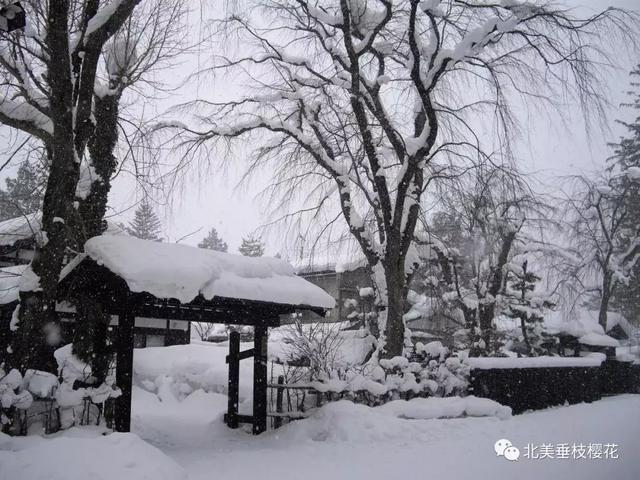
<point>182,272</point>
<point>446,407</point>
<point>346,421</point>
<point>181,369</point>
<point>78,455</point>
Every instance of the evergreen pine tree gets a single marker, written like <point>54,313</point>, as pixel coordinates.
<point>213,242</point>
<point>145,224</point>
<point>251,247</point>
<point>523,304</point>
<point>23,194</point>
<point>625,166</point>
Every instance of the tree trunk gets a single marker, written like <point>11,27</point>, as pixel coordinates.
<point>606,298</point>
<point>37,301</point>
<point>396,299</point>
<point>91,211</point>
<point>90,336</point>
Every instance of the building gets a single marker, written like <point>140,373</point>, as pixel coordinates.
<point>344,285</point>
<point>350,285</point>
<point>17,244</point>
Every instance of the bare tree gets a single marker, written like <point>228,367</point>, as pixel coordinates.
<point>601,258</point>
<point>357,102</point>
<point>497,218</point>
<point>203,329</point>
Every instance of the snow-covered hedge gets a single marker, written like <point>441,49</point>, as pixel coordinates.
<point>432,371</point>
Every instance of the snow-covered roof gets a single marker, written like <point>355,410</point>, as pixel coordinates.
<point>584,325</point>
<point>341,256</point>
<point>9,283</point>
<point>26,226</point>
<point>168,270</point>
<point>19,228</point>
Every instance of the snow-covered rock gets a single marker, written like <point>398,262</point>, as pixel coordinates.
<point>354,423</point>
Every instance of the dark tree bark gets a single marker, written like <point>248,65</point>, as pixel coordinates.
<point>486,309</point>
<point>90,336</point>
<point>37,304</point>
<point>607,294</point>
<point>71,80</point>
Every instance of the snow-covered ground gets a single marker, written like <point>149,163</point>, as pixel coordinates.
<point>179,434</point>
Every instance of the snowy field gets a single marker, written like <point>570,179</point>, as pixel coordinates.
<point>178,434</point>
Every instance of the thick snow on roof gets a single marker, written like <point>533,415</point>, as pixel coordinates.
<point>343,256</point>
<point>10,283</point>
<point>25,227</point>
<point>19,228</point>
<point>584,325</point>
<point>168,270</point>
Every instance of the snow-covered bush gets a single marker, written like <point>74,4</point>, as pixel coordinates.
<point>311,351</point>
<point>433,370</point>
<point>80,401</point>
<point>13,396</point>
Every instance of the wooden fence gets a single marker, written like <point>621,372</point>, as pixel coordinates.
<point>525,389</point>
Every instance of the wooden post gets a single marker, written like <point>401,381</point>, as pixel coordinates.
<point>124,370</point>
<point>277,423</point>
<point>233,386</point>
<point>260,380</point>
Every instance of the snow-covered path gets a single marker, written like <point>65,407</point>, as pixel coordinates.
<point>354,442</point>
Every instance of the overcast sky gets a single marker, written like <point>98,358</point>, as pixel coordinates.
<point>211,198</point>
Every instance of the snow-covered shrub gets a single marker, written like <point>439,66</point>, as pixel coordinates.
<point>433,370</point>
<point>13,396</point>
<point>311,351</point>
<point>49,402</point>
<point>79,399</point>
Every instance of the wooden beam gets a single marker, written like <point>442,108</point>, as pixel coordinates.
<point>242,355</point>
<point>260,380</point>
<point>233,385</point>
<point>227,315</point>
<point>124,369</point>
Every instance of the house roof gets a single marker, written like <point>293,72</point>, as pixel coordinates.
<point>185,273</point>
<point>19,228</point>
<point>10,283</point>
<point>27,226</point>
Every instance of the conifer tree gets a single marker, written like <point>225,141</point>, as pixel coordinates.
<point>214,242</point>
<point>625,166</point>
<point>524,304</point>
<point>23,194</point>
<point>145,224</point>
<point>251,247</point>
